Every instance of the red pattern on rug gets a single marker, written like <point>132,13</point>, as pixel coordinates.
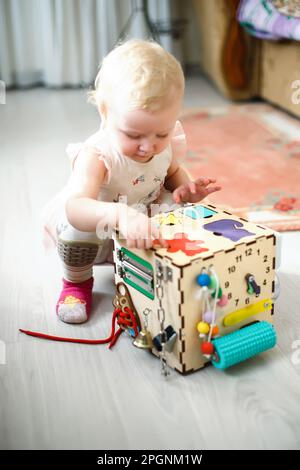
<point>257,165</point>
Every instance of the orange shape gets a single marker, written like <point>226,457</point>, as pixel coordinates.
<point>181,242</point>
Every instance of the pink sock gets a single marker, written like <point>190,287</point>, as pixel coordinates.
<point>75,301</point>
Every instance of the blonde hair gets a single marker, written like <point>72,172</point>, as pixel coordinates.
<point>141,74</point>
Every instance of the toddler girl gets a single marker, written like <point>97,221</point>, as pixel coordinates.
<point>129,164</point>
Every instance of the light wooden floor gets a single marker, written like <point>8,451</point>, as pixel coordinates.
<point>68,396</point>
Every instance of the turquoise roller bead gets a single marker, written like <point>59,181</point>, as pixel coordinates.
<point>243,344</point>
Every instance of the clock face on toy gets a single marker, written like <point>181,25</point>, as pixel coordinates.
<point>246,274</point>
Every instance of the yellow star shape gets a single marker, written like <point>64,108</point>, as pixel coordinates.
<point>170,219</point>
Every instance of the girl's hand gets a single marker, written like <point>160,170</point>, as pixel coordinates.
<point>195,191</point>
<point>139,230</point>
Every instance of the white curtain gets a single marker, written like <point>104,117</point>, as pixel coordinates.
<point>61,42</point>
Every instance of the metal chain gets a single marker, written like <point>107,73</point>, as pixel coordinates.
<point>146,313</point>
<point>161,318</point>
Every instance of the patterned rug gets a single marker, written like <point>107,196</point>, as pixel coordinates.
<point>254,152</point>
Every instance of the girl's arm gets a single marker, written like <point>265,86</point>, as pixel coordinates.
<point>184,189</point>
<point>176,176</point>
<point>88,214</point>
<point>83,210</point>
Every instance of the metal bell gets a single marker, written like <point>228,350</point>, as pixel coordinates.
<point>143,340</point>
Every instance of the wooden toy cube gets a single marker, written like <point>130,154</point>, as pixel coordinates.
<point>201,238</point>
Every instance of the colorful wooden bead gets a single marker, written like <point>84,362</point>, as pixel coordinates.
<point>223,301</point>
<point>203,327</point>
<point>208,316</point>
<point>207,348</point>
<point>220,293</point>
<point>213,283</point>
<point>203,279</point>
<point>215,331</point>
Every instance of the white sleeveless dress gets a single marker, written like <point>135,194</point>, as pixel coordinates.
<point>128,181</point>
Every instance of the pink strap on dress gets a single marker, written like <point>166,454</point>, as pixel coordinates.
<point>72,150</point>
<point>178,142</point>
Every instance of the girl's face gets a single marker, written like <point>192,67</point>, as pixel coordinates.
<point>140,134</point>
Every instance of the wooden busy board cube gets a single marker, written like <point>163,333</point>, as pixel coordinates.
<point>238,256</point>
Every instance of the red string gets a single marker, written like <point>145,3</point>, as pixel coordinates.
<point>124,319</point>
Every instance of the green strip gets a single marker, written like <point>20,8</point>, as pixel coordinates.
<point>138,276</point>
<point>137,258</point>
<point>140,289</point>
